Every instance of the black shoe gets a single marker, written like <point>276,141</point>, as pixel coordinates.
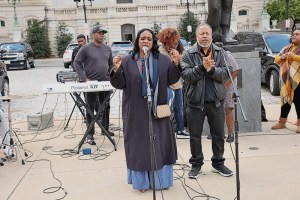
<point>194,173</point>
<point>182,134</point>
<point>222,170</point>
<point>91,140</point>
<point>230,138</point>
<point>109,133</point>
<point>209,137</point>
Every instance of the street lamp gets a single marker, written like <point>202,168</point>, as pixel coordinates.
<point>189,26</point>
<point>86,27</point>
<point>17,31</point>
<point>13,3</point>
<point>287,21</point>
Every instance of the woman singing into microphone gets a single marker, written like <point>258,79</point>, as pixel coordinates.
<point>129,75</point>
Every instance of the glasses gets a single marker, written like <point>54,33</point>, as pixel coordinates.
<point>169,47</point>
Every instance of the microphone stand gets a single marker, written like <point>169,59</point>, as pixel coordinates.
<point>236,97</point>
<point>151,135</point>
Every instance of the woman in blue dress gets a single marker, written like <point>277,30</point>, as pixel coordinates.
<point>129,75</point>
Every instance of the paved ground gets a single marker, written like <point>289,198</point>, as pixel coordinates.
<point>268,159</point>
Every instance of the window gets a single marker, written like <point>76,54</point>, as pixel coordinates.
<point>30,22</point>
<point>124,1</point>
<point>243,12</point>
<point>2,23</point>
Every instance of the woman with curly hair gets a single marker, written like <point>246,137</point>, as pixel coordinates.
<point>129,75</point>
<point>170,39</point>
<point>289,61</point>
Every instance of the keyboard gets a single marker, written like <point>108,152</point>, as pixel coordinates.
<point>66,76</point>
<point>70,87</point>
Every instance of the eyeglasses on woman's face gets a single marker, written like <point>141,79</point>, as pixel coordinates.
<point>171,46</point>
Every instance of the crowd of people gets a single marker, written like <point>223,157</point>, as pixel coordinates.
<point>158,71</point>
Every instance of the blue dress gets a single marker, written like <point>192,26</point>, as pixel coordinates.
<point>142,180</point>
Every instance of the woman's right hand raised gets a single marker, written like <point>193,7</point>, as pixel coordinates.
<point>117,62</point>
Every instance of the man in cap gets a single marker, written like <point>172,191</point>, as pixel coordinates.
<point>93,62</point>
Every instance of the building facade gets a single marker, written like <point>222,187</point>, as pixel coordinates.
<point>122,18</point>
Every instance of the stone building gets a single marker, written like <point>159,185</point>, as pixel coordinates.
<point>122,18</point>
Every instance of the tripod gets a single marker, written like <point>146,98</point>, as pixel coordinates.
<point>15,143</point>
<point>95,120</point>
<point>151,134</point>
<point>236,98</point>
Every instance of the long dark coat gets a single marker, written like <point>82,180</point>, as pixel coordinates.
<point>135,115</point>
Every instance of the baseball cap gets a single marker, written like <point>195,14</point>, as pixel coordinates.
<point>98,29</point>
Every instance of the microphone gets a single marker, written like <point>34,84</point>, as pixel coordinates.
<point>145,50</point>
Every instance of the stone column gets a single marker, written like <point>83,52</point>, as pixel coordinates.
<point>233,25</point>
<point>249,81</point>
<point>265,21</point>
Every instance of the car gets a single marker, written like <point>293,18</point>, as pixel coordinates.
<point>269,45</point>
<point>67,56</point>
<point>121,48</point>
<point>17,55</point>
<point>185,43</point>
<point>4,80</point>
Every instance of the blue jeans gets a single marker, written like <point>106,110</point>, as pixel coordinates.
<point>170,92</point>
<point>178,109</point>
<point>176,99</point>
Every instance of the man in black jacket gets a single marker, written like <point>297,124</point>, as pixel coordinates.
<point>204,73</point>
<point>80,41</point>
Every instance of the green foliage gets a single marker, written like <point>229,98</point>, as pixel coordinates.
<point>62,38</point>
<point>184,22</point>
<point>277,10</point>
<point>156,28</point>
<point>37,37</point>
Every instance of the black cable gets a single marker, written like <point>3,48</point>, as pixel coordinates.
<point>49,190</point>
<point>183,168</point>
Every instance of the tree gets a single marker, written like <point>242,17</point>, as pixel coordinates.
<point>63,38</point>
<point>184,22</point>
<point>156,28</point>
<point>37,37</point>
<point>277,10</point>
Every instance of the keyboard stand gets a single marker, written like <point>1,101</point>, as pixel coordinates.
<point>80,109</point>
<point>95,119</point>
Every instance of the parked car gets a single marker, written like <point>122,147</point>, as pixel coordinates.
<point>268,45</point>
<point>67,56</point>
<point>185,43</point>
<point>17,55</point>
<point>4,80</point>
<point>121,48</point>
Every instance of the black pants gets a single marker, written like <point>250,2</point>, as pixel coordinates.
<point>263,111</point>
<point>195,119</point>
<point>93,105</point>
<point>285,109</point>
